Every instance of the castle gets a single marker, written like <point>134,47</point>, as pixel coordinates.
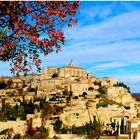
<point>72,78</point>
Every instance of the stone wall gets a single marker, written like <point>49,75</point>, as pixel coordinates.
<point>19,127</point>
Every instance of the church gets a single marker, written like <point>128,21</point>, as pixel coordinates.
<point>53,77</point>
<point>70,70</point>
<point>72,77</point>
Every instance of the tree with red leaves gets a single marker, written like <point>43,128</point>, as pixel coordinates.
<point>29,28</point>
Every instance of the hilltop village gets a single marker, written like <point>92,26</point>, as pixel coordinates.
<point>67,102</point>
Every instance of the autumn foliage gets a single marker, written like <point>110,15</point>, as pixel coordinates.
<point>29,28</point>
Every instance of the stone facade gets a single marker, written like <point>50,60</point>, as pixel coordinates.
<point>119,94</point>
<point>53,77</point>
<point>133,128</point>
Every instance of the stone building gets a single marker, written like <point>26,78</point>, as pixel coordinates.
<point>119,94</point>
<point>133,128</point>
<point>76,115</point>
<point>50,72</point>
<point>67,71</point>
<point>73,78</point>
<point>71,71</point>
<point>63,76</point>
<point>51,83</point>
<point>106,81</point>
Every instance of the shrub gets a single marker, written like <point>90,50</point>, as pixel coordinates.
<point>102,104</point>
<point>64,130</point>
<point>120,104</point>
<point>101,90</point>
<point>18,111</point>
<point>30,137</point>
<point>3,85</point>
<point>113,124</point>
<point>17,136</point>
<point>107,132</point>
<point>53,99</point>
<point>57,125</point>
<point>31,90</point>
<point>97,96</point>
<point>3,132</point>
<point>12,117</point>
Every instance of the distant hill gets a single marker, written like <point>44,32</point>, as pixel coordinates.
<point>136,94</point>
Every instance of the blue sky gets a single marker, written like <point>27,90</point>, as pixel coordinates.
<point>106,42</point>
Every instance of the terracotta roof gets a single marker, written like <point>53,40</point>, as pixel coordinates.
<point>72,67</point>
<point>53,79</point>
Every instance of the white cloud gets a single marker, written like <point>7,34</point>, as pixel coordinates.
<point>111,40</point>
<point>130,78</point>
<point>108,66</point>
<point>126,52</point>
<point>114,29</point>
<point>104,10</point>
<point>95,11</point>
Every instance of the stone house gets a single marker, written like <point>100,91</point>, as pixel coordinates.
<point>51,83</point>
<point>133,128</point>
<point>75,115</point>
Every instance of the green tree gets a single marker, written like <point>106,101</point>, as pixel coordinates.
<point>102,104</point>
<point>20,112</point>
<point>3,85</point>
<point>70,94</point>
<point>101,90</point>
<point>123,85</point>
<point>122,127</point>
<point>3,104</point>
<point>58,125</point>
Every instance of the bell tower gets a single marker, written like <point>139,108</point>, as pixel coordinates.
<point>72,64</point>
